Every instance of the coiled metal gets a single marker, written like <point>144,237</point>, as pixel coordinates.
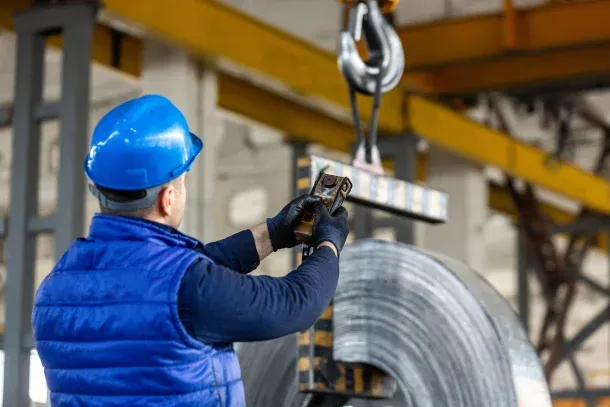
<point>446,335</point>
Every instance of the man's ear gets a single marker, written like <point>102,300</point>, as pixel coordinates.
<point>167,199</point>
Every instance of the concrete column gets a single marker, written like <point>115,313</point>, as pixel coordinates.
<point>192,87</point>
<point>462,236</point>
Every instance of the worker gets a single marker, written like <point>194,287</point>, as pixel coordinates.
<point>140,314</point>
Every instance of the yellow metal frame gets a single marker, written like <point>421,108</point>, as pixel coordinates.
<point>299,122</point>
<point>557,68</point>
<point>238,35</point>
<point>554,43</point>
<point>601,402</point>
<point>474,141</point>
<point>545,28</point>
<point>208,28</point>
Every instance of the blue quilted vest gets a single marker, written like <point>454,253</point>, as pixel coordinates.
<point>107,329</point>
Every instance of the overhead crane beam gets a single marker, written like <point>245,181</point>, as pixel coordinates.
<point>452,131</point>
<point>518,48</point>
<point>207,29</point>
<point>544,28</point>
<point>581,68</point>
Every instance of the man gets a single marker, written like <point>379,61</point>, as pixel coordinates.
<point>139,314</point>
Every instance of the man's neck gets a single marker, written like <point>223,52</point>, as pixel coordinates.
<point>159,222</point>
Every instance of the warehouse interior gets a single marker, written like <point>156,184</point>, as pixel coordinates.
<point>499,98</point>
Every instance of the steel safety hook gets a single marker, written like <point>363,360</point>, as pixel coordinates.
<point>386,56</point>
<point>379,74</point>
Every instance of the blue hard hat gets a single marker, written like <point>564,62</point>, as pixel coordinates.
<point>140,144</point>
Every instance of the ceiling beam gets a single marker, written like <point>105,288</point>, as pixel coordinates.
<point>453,132</point>
<point>544,28</point>
<point>208,28</point>
<point>581,68</point>
<point>566,44</point>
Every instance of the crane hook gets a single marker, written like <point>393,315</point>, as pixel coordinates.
<point>379,74</point>
<point>387,58</point>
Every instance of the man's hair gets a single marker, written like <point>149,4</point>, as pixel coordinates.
<point>128,196</point>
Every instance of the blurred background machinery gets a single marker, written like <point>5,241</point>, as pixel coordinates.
<point>503,105</point>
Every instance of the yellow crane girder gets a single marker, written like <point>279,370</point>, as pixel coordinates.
<point>554,43</point>
<point>209,29</point>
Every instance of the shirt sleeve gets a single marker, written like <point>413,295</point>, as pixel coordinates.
<point>236,252</point>
<point>218,305</point>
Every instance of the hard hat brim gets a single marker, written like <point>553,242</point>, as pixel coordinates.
<point>197,144</point>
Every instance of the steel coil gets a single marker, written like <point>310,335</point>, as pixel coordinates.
<point>431,322</point>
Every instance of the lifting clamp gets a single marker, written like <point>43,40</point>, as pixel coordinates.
<point>373,77</point>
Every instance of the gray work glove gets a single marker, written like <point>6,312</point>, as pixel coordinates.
<point>329,228</point>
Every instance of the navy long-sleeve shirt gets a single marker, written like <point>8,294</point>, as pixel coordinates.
<point>219,303</point>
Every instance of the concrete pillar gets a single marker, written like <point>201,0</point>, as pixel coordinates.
<point>192,87</point>
<point>462,236</point>
<point>254,183</point>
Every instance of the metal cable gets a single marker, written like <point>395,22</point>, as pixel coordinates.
<point>446,335</point>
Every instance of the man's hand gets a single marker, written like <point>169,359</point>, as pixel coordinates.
<point>333,229</point>
<point>281,226</point>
